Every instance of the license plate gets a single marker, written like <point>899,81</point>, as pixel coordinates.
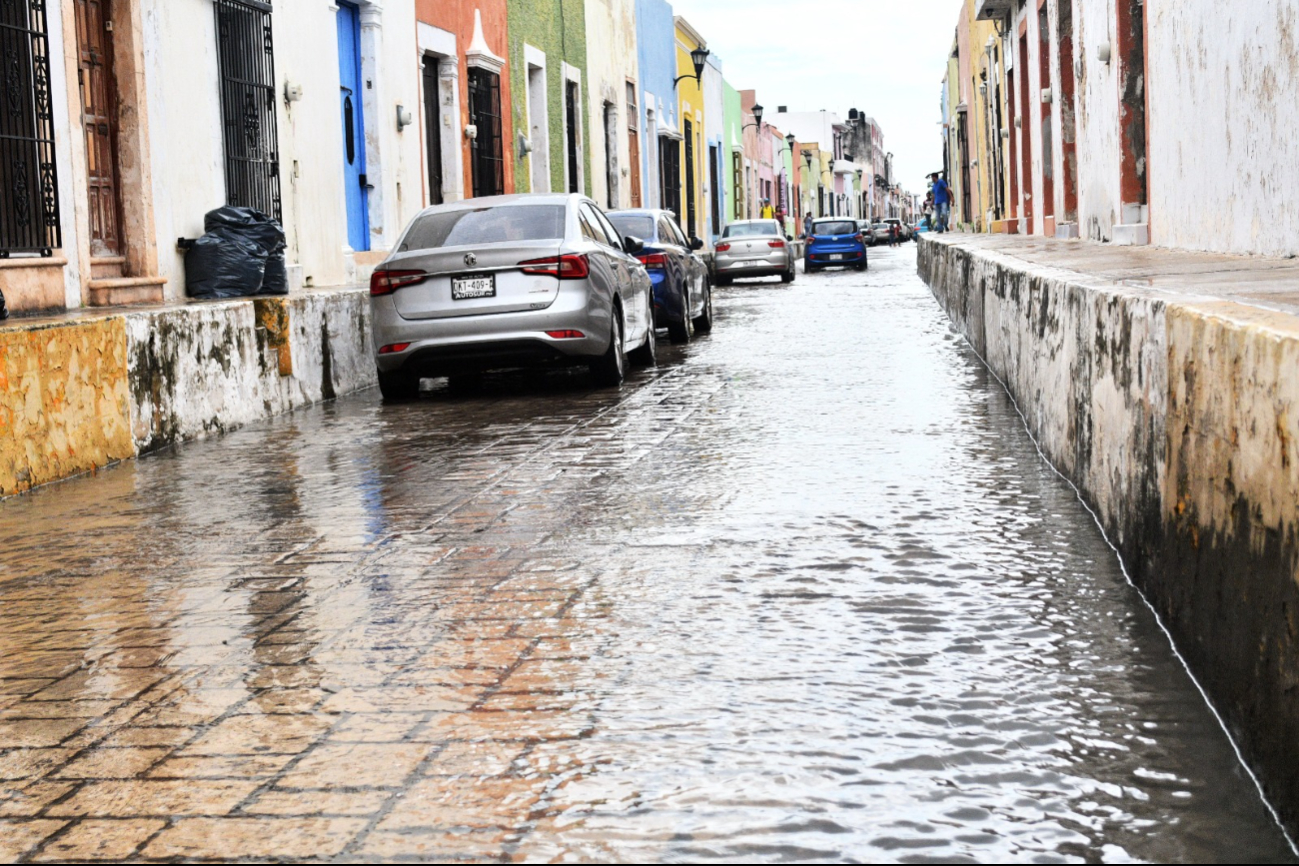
<point>836,258</point>
<point>468,288</point>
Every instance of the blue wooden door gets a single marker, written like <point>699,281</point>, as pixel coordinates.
<point>350,94</point>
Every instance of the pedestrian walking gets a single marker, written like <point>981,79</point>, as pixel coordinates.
<point>893,234</point>
<point>767,212</point>
<point>807,225</point>
<point>942,201</point>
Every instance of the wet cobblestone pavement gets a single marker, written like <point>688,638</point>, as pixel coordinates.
<point>804,592</point>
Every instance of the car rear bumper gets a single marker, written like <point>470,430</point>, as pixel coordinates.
<point>767,266</point>
<point>820,258</point>
<point>442,347</point>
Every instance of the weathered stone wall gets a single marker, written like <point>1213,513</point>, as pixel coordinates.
<point>1178,420</point>
<point>79,394</point>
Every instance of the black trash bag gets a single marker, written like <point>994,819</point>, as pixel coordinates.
<point>223,265</point>
<point>4,308</point>
<point>241,255</point>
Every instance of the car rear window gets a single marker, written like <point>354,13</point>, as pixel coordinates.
<point>748,230</point>
<point>639,226</point>
<point>489,225</point>
<point>835,228</point>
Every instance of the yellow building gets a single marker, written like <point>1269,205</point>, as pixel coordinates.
<point>690,105</point>
<point>977,134</point>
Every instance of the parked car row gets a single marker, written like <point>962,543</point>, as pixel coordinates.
<point>532,280</point>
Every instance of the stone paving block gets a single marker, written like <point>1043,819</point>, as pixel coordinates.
<point>318,803</point>
<point>256,838</point>
<point>403,699</point>
<point>94,839</point>
<point>147,736</point>
<point>251,735</point>
<point>221,767</point>
<point>143,799</point>
<point>29,800</point>
<point>457,801</point>
<point>17,838</point>
<point>421,846</point>
<point>124,763</point>
<point>515,725</point>
<point>37,733</point>
<point>32,763</point>
<point>475,759</point>
<point>366,765</point>
<point>376,727</point>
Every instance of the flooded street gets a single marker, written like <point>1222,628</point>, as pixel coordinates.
<point>805,592</point>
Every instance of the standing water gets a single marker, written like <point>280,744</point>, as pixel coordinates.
<point>806,591</point>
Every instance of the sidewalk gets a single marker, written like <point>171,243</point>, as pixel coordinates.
<point>94,386</point>
<point>1165,386</point>
<point>1252,281</point>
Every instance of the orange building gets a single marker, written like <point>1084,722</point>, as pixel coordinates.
<point>466,110</point>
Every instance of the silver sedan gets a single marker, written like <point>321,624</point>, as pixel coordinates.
<point>506,282</point>
<point>753,248</point>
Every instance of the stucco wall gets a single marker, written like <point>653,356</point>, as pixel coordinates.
<point>557,27</point>
<point>1222,125</point>
<point>611,26</point>
<point>181,70</point>
<point>1097,98</point>
<point>78,395</point>
<point>657,54</point>
<point>1178,420</point>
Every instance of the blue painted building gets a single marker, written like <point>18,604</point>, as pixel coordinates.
<point>656,39</point>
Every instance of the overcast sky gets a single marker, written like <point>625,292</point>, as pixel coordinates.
<point>885,57</point>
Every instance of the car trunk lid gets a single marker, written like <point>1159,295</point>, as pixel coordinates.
<point>475,271</point>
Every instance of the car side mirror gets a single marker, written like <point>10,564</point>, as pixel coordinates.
<point>631,246</point>
<point>696,244</point>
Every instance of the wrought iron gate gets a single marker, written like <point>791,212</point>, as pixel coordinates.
<point>29,189</point>
<point>246,55</point>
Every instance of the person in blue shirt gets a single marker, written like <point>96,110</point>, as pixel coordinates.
<point>942,201</point>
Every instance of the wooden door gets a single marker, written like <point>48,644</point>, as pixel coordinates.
<point>433,130</point>
<point>99,121</point>
<point>633,156</point>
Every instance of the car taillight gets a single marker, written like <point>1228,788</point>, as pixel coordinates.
<point>861,239</point>
<point>566,335</point>
<point>775,245</point>
<point>387,282</point>
<point>560,267</point>
<point>654,260</point>
<point>394,349</point>
<point>722,248</point>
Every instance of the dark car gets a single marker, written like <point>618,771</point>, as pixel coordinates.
<point>835,243</point>
<point>683,296</point>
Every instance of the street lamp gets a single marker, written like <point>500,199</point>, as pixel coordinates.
<point>698,57</point>
<point>757,118</point>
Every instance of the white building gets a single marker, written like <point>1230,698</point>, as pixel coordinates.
<point>612,81</point>
<point>187,106</point>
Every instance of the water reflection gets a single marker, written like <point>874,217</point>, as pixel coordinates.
<point>803,592</point>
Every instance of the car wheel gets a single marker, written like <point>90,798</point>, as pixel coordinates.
<point>610,369</point>
<point>788,276</point>
<point>723,281</point>
<point>681,332</point>
<point>398,386</point>
<point>704,323</point>
<point>647,354</point>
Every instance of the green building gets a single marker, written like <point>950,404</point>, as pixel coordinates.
<point>733,148</point>
<point>548,86</point>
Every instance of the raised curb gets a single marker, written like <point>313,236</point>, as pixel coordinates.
<point>1177,417</point>
<point>86,390</point>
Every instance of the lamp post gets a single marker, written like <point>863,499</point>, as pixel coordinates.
<point>757,118</point>
<point>698,57</point>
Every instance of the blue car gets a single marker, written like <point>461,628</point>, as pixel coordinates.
<point>683,296</point>
<point>835,243</point>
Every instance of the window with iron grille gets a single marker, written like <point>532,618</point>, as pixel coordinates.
<point>246,56</point>
<point>486,156</point>
<point>29,187</point>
